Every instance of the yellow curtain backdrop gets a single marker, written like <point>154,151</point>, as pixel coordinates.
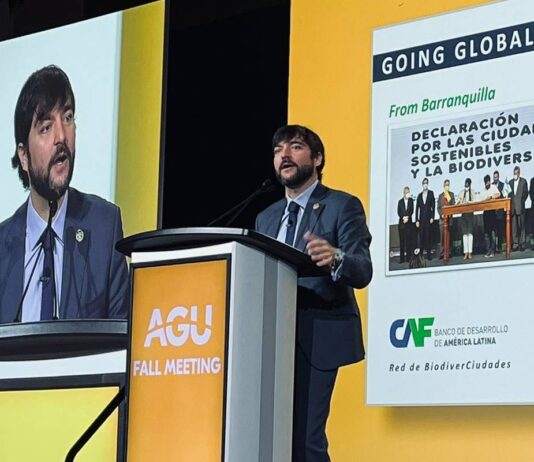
<point>329,90</point>
<point>140,116</point>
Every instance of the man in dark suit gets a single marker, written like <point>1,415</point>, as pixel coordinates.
<point>500,215</point>
<point>424,218</point>
<point>91,278</point>
<point>518,194</point>
<point>444,199</point>
<point>405,212</point>
<point>330,226</point>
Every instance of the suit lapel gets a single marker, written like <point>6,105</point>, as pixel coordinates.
<point>76,247</point>
<point>276,219</point>
<point>313,211</point>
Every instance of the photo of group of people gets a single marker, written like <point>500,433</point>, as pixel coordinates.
<point>436,166</point>
<point>473,237</point>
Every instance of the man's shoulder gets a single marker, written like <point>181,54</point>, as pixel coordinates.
<point>273,208</point>
<point>90,203</point>
<point>18,219</point>
<point>338,194</point>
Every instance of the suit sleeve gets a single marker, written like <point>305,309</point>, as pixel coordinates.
<point>354,240</point>
<point>118,280</point>
<point>417,209</point>
<point>439,206</point>
<point>531,191</point>
<point>432,206</point>
<point>399,209</point>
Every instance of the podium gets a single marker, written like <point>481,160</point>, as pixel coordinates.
<point>212,338</point>
<point>55,379</point>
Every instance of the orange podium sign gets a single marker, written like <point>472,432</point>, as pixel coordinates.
<point>177,363</point>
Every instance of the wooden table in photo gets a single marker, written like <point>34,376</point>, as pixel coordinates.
<point>492,204</point>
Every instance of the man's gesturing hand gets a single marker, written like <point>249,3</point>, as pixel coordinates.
<point>320,250</point>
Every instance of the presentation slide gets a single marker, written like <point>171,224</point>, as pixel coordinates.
<point>451,212</point>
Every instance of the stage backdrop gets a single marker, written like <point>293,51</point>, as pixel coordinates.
<point>452,99</point>
<point>329,89</point>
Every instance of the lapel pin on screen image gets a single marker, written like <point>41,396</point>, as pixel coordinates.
<point>79,235</point>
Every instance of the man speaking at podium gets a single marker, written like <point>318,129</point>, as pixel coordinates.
<point>330,226</point>
<point>57,252</point>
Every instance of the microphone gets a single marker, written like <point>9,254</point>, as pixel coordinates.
<point>52,205</point>
<point>266,186</point>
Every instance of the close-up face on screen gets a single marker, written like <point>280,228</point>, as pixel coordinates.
<point>82,60</point>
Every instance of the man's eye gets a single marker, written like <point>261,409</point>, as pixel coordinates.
<point>69,117</point>
<point>45,129</point>
<point>296,147</point>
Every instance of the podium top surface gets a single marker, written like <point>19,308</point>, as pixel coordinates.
<point>61,339</point>
<point>186,238</point>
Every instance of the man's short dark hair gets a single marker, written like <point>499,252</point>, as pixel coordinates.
<point>496,172</point>
<point>487,179</point>
<point>289,132</point>
<point>44,90</point>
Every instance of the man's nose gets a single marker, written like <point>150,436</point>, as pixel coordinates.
<point>59,133</point>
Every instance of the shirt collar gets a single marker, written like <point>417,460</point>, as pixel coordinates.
<point>303,198</point>
<point>35,225</point>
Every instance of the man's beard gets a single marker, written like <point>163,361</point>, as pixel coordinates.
<point>42,183</point>
<point>303,173</point>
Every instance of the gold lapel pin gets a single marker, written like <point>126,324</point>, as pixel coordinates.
<point>316,206</point>
<point>80,235</point>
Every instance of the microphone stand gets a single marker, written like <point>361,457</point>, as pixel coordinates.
<point>52,204</point>
<point>18,316</point>
<point>48,233</point>
<point>266,186</point>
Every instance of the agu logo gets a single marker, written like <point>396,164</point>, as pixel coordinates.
<point>400,331</point>
<point>180,326</point>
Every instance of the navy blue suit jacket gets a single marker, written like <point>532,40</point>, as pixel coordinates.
<point>329,328</point>
<point>95,280</point>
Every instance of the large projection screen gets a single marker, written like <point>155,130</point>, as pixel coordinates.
<point>452,99</point>
<point>89,53</point>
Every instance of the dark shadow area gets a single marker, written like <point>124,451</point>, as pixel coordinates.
<point>227,86</point>
<point>22,17</point>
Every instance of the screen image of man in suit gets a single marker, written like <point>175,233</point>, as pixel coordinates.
<point>445,198</point>
<point>330,226</point>
<point>91,277</point>
<point>424,218</point>
<point>518,194</point>
<point>405,213</point>
<point>489,216</point>
<point>500,215</point>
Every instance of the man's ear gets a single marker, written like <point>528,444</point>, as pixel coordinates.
<point>22,152</point>
<point>318,160</point>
